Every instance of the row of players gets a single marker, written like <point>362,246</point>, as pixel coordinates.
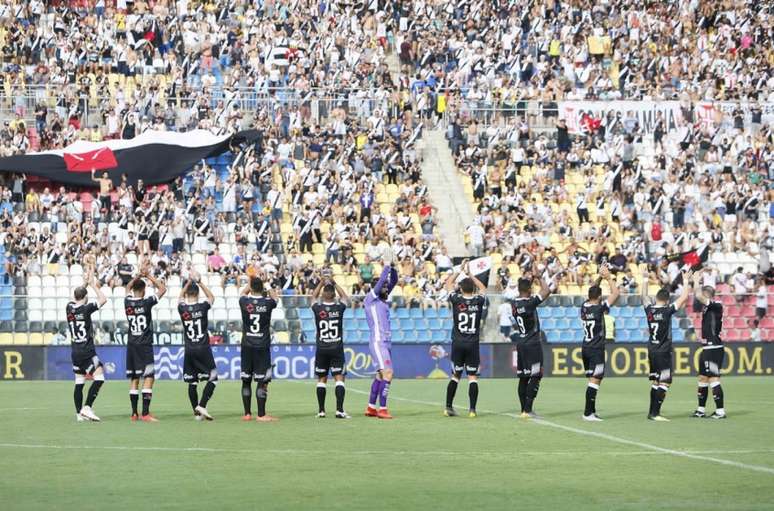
<point>467,302</point>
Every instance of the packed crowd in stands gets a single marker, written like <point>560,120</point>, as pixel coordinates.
<point>335,179</point>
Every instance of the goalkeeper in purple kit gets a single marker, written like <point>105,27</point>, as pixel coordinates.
<point>377,311</point>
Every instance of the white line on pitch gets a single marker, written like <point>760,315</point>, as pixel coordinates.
<point>610,438</point>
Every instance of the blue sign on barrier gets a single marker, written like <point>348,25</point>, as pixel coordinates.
<point>292,361</point>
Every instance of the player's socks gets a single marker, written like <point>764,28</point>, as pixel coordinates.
<point>94,391</point>
<point>209,388</point>
<point>661,391</point>
<point>653,389</point>
<point>134,397</point>
<point>717,395</point>
<point>522,391</point>
<point>532,385</point>
<point>384,394</point>
<point>702,394</point>
<point>376,387</point>
<point>78,397</point>
<point>247,396</point>
<point>321,391</point>
<point>451,390</point>
<point>340,392</point>
<point>193,395</point>
<point>147,395</point>
<point>473,394</point>
<point>260,397</point>
<point>591,399</point>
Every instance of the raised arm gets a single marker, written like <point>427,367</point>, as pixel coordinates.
<point>683,298</point>
<point>451,281</point>
<point>184,290</point>
<point>480,285</point>
<point>93,178</point>
<point>130,284</point>
<point>101,298</point>
<point>697,289</point>
<point>207,293</point>
<point>317,291</point>
<point>383,279</point>
<point>343,296</point>
<point>545,289</point>
<point>161,288</point>
<point>615,291</point>
<point>644,290</point>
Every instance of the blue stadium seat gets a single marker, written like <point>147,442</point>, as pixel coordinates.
<point>623,336</point>
<point>446,324</point>
<point>557,312</point>
<point>416,313</point>
<point>435,324</point>
<point>553,336</point>
<point>566,336</point>
<point>439,336</point>
<point>362,324</point>
<point>398,336</point>
<point>305,313</point>
<point>349,314</point>
<point>547,312</point>
<point>563,324</point>
<point>360,313</point>
<point>308,325</point>
<point>548,323</point>
<point>678,334</point>
<point>577,335</point>
<point>575,324</point>
<point>431,313</point>
<point>402,313</point>
<point>349,324</point>
<point>444,312</point>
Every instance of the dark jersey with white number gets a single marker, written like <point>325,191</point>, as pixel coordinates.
<point>138,314</point>
<point>712,324</point>
<point>593,323</point>
<point>81,328</point>
<point>194,316</point>
<point>526,323</point>
<point>329,322</point>
<point>466,314</point>
<point>256,320</point>
<point>660,327</point>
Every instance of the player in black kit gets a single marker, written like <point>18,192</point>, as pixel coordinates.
<point>198,362</point>
<point>139,344</point>
<point>592,314</point>
<point>256,304</point>
<point>659,317</point>
<point>329,356</point>
<point>467,309</point>
<point>712,351</point>
<point>528,336</point>
<point>84,356</point>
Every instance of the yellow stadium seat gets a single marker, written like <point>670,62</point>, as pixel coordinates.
<point>337,270</point>
<point>391,188</point>
<point>6,339</point>
<point>318,248</point>
<point>20,338</point>
<point>36,338</point>
<point>282,337</point>
<point>318,259</point>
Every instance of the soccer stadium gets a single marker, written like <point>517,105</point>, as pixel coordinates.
<point>326,254</point>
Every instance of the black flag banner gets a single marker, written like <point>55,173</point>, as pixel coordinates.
<point>154,156</point>
<point>689,260</point>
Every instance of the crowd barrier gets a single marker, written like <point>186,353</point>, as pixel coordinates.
<point>415,361</point>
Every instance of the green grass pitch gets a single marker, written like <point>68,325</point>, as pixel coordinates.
<point>421,460</point>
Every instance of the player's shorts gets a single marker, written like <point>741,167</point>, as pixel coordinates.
<point>255,362</point>
<point>660,363</point>
<point>329,360</point>
<point>711,361</point>
<point>381,355</point>
<point>198,365</point>
<point>465,356</point>
<point>529,359</point>
<point>593,362</point>
<point>86,364</point>
<point>139,361</point>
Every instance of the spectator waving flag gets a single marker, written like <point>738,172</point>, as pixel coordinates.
<point>479,267</point>
<point>689,260</point>
<point>153,156</point>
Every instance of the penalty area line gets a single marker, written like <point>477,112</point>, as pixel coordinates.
<point>608,437</point>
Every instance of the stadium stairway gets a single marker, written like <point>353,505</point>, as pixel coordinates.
<point>455,212</point>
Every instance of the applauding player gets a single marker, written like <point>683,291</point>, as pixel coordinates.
<point>378,317</point>
<point>256,306</point>
<point>712,351</point>
<point>659,317</point>
<point>84,356</point>
<point>198,362</point>
<point>592,315</point>
<point>329,357</point>
<point>528,336</point>
<point>467,309</point>
<point>139,346</point>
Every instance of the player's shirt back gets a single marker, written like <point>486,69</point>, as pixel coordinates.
<point>526,323</point>
<point>593,322</point>
<point>195,324</point>
<point>712,323</point>
<point>466,315</point>
<point>660,327</point>
<point>81,328</point>
<point>256,320</point>
<point>138,314</point>
<point>329,323</point>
